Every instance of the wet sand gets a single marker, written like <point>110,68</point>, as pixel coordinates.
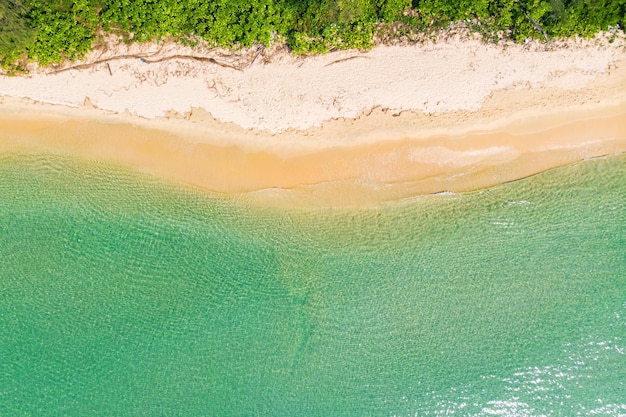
<point>348,175</point>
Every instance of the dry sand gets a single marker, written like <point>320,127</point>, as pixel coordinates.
<point>345,128</point>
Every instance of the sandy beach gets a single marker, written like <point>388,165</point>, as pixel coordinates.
<point>345,128</point>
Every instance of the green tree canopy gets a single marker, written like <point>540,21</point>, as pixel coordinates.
<point>15,32</point>
<point>53,30</point>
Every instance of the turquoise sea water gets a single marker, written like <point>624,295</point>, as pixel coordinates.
<point>122,295</point>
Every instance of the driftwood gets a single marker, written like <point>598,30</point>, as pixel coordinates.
<point>539,28</point>
<point>344,59</point>
<point>536,25</point>
<point>146,59</point>
<point>237,62</point>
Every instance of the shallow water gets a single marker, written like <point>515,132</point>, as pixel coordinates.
<point>123,295</point>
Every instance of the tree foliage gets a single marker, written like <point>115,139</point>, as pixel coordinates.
<point>52,30</point>
<point>64,28</point>
<point>15,31</point>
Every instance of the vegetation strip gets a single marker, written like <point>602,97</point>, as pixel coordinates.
<point>49,31</point>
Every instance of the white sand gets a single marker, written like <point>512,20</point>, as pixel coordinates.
<point>300,93</point>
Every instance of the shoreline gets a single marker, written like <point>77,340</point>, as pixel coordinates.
<point>361,174</point>
<point>377,154</point>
